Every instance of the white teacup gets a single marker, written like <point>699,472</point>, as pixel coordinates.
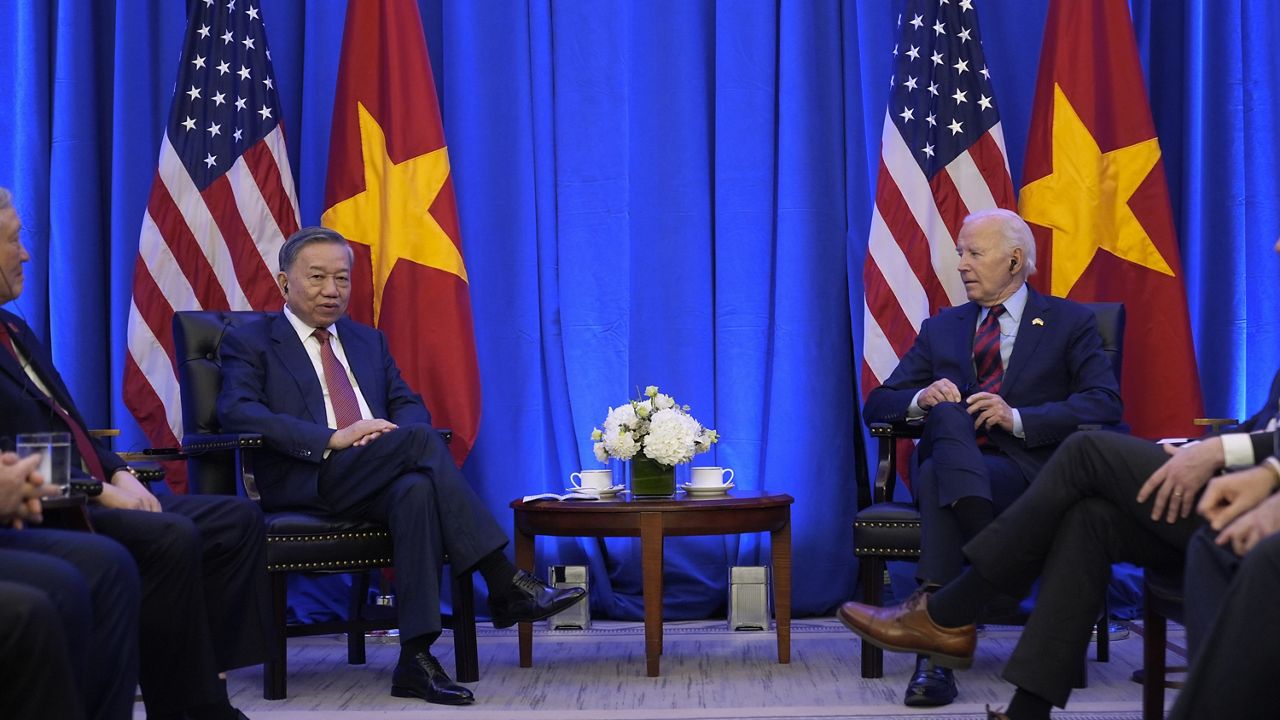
<point>710,476</point>
<point>592,480</point>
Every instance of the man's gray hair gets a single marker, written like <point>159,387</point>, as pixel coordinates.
<point>6,198</point>
<point>307,236</point>
<point>1014,230</point>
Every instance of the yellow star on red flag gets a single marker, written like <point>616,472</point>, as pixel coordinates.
<point>393,214</point>
<point>1085,200</point>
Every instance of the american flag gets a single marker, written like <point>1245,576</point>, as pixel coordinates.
<point>221,204</point>
<point>942,157</point>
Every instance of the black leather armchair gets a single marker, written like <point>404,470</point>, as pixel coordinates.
<point>223,463</point>
<point>886,529</point>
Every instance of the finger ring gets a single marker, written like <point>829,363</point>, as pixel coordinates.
<point>1177,493</point>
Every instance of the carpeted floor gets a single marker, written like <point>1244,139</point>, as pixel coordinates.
<point>707,672</point>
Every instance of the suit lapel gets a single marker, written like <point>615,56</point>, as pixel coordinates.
<point>8,363</point>
<point>34,350</point>
<point>294,357</point>
<point>1029,334</point>
<point>965,333</point>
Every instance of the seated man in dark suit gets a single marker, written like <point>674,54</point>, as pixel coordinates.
<point>68,612</point>
<point>202,559</point>
<point>346,436</point>
<point>1231,610</point>
<point>1102,498</point>
<point>998,383</point>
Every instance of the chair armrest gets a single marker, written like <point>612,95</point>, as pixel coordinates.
<point>215,458</point>
<point>198,443</point>
<point>1215,425</point>
<point>148,472</point>
<point>888,435</point>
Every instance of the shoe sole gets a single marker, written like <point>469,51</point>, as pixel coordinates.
<point>542,616</point>
<point>955,662</point>
<point>403,692</point>
<point>925,701</point>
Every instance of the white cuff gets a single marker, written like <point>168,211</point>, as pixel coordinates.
<point>914,411</point>
<point>1237,450</point>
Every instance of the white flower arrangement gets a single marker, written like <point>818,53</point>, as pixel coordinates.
<point>655,426</point>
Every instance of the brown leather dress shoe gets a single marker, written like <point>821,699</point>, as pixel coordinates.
<point>908,628</point>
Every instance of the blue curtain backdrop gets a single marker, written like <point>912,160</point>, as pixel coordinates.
<point>673,193</point>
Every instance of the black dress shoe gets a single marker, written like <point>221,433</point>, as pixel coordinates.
<point>420,675</point>
<point>528,599</point>
<point>931,686</point>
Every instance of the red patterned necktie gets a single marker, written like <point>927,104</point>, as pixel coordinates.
<point>84,446</point>
<point>986,352</point>
<point>346,408</point>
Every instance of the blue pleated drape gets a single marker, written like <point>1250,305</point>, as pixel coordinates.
<point>664,193</point>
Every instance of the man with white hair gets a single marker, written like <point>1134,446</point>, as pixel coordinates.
<point>996,383</point>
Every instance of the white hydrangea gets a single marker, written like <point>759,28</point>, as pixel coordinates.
<point>672,437</point>
<point>656,423</point>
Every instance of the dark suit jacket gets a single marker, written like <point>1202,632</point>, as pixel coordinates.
<point>1057,378</point>
<point>21,408</point>
<point>270,387</point>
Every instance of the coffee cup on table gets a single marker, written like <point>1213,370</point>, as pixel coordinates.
<point>710,476</point>
<point>591,480</point>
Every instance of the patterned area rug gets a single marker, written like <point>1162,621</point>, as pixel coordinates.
<point>708,673</point>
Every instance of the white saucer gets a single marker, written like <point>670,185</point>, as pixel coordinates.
<point>706,490</point>
<point>606,493</point>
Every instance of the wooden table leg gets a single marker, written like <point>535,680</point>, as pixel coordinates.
<point>524,561</point>
<point>781,542</point>
<point>651,572</point>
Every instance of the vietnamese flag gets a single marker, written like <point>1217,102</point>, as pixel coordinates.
<point>389,191</point>
<point>1094,192</point>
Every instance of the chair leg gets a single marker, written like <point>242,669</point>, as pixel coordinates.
<point>355,612</point>
<point>275,669</point>
<point>871,578</point>
<point>465,652</point>
<point>1153,663</point>
<point>1104,633</point>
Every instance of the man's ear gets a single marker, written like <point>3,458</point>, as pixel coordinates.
<point>282,280</point>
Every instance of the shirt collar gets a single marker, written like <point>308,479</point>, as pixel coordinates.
<point>304,330</point>
<point>1013,306</point>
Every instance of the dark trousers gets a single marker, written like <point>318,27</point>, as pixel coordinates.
<point>205,597</point>
<point>949,466</point>
<point>38,682</point>
<point>408,480</point>
<point>1232,621</point>
<point>1079,516</point>
<point>90,585</point>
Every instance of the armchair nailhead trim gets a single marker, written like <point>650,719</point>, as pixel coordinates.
<point>888,552</point>
<point>893,524</point>
<point>329,565</point>
<point>328,537</point>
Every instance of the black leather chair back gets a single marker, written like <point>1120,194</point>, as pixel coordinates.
<point>197,338</point>
<point>1110,317</point>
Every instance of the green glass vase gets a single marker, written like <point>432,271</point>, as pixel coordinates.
<point>650,478</point>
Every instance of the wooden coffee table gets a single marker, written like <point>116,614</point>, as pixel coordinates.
<point>652,520</point>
